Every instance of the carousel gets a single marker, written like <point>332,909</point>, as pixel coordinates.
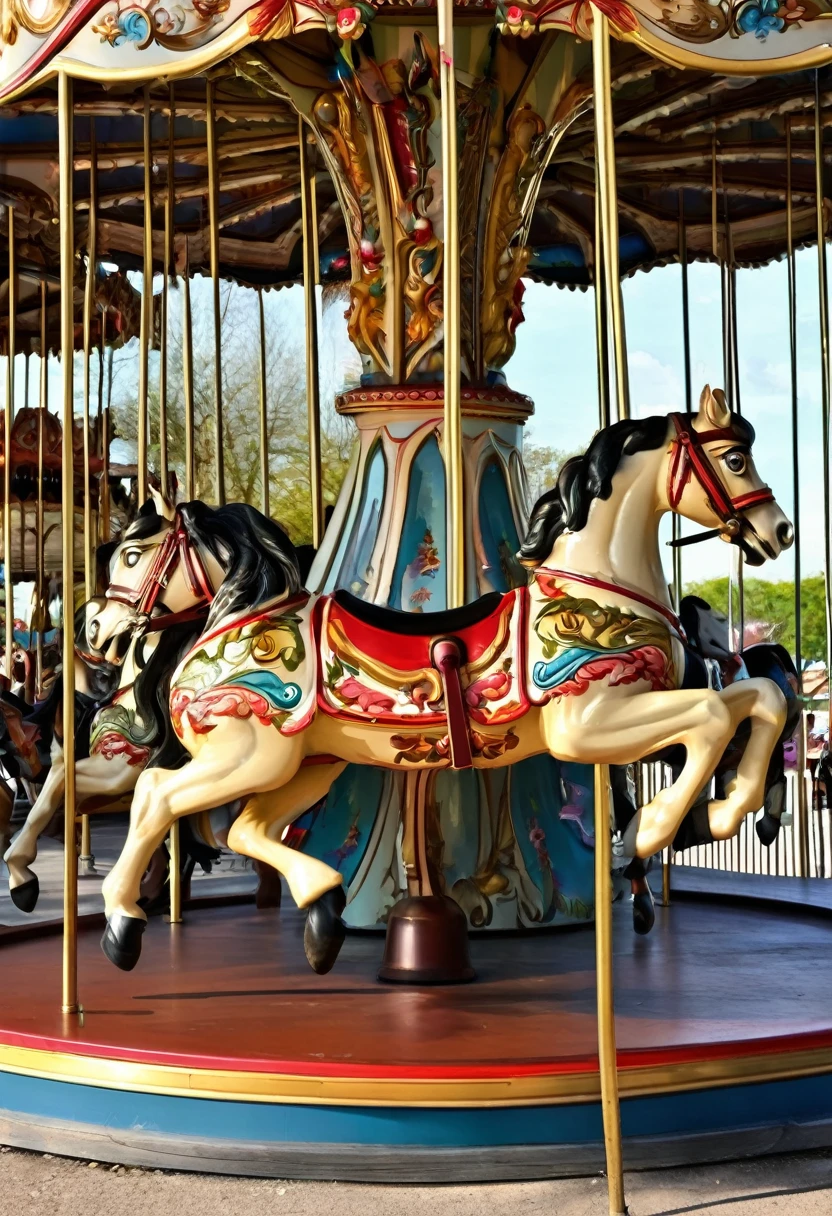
<point>544,897</point>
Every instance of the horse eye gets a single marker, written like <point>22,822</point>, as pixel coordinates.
<point>736,462</point>
<point>131,558</point>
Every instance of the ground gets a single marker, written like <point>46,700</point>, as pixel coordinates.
<point>35,1185</point>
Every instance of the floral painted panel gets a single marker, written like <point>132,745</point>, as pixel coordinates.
<point>498,531</point>
<point>352,566</point>
<point>418,583</point>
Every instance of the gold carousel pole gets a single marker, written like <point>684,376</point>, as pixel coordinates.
<point>608,201</point>
<point>104,437</point>
<point>313,405</point>
<point>607,1061</point>
<point>826,396</point>
<point>146,327</point>
<point>264,411</point>
<point>188,377</point>
<point>167,263</point>
<point>214,242</point>
<point>802,804</point>
<point>40,590</point>
<point>67,245</point>
<point>8,421</point>
<point>601,343</point>
<point>451,308</point>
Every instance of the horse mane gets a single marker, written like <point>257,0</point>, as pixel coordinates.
<point>565,508</point>
<point>151,691</point>
<point>259,559</point>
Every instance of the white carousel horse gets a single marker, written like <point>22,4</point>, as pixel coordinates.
<point>283,688</point>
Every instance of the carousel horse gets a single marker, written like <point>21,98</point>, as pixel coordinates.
<point>284,688</point>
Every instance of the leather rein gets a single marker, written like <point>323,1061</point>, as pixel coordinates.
<point>174,550</point>
<point>690,460</point>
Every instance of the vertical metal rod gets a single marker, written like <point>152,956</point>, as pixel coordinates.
<point>175,874</point>
<point>313,404</point>
<point>607,1059</point>
<point>146,326</point>
<point>214,243</point>
<point>264,411</point>
<point>43,402</point>
<point>823,303</point>
<point>104,411</point>
<point>683,261</point>
<point>605,153</point>
<point>792,290</point>
<point>451,305</point>
<point>601,336</point>
<point>69,1000</point>
<point>167,270</point>
<point>188,378</point>
<point>89,307</point>
<point>8,421</point>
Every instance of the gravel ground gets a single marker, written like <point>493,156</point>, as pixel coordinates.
<point>36,1185</point>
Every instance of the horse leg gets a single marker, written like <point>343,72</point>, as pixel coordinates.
<point>95,776</point>
<point>6,811</point>
<point>621,726</point>
<point>762,702</point>
<point>238,757</point>
<point>313,884</point>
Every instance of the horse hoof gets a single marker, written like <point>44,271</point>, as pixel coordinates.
<point>324,934</point>
<point>644,913</point>
<point>26,895</point>
<point>767,828</point>
<point>122,940</point>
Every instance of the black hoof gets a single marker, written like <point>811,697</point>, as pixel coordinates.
<point>25,897</point>
<point>324,934</point>
<point>644,913</point>
<point>122,941</point>
<point>767,829</point>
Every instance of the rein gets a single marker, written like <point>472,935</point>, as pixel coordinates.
<point>176,548</point>
<point>690,460</point>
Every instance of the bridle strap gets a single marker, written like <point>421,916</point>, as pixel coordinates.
<point>175,548</point>
<point>168,620</point>
<point>689,459</point>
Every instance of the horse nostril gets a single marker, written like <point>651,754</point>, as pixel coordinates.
<point>94,630</point>
<point>785,534</point>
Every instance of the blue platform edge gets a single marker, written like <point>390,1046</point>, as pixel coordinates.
<point>764,1104</point>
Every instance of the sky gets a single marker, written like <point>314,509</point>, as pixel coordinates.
<point>555,365</point>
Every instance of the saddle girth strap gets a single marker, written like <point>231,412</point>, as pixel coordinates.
<point>446,657</point>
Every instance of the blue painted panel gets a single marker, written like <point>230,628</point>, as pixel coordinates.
<point>802,1100</point>
<point>497,529</point>
<point>418,583</point>
<point>351,566</point>
<point>340,827</point>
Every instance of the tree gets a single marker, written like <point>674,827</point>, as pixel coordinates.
<point>288,446</point>
<point>773,605</point>
<point>543,463</point>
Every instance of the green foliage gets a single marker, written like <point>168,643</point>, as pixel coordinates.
<point>543,464</point>
<point>773,604</point>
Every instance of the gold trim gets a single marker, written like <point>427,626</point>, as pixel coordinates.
<point>545,1090</point>
<point>680,58</point>
<point>390,677</point>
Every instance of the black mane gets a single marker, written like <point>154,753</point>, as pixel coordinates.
<point>565,508</point>
<point>259,559</point>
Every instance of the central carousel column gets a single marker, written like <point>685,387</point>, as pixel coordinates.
<point>512,846</point>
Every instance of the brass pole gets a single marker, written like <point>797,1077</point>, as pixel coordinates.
<point>214,242</point>
<point>683,261</point>
<point>104,483</point>
<point>601,343</point>
<point>146,327</point>
<point>167,263</point>
<point>264,410</point>
<point>40,591</point>
<point>608,200</point>
<point>89,306</point>
<point>607,1060</point>
<point>823,303</point>
<point>454,479</point>
<point>175,874</point>
<point>313,405</point>
<point>802,805</point>
<point>67,245</point>
<point>188,378</point>
<point>8,421</point>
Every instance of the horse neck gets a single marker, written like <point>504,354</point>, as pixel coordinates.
<point>620,540</point>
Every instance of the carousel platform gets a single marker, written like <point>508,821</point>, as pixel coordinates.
<point>223,1052</point>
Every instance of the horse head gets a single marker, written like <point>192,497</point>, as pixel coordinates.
<point>208,560</point>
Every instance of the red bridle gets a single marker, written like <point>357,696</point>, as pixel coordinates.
<point>689,458</point>
<point>175,548</point>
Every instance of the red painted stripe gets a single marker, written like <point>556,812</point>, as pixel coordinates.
<point>627,1059</point>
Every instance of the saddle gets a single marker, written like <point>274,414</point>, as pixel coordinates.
<point>418,668</point>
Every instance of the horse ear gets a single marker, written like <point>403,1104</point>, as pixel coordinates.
<point>715,408</point>
<point>163,507</point>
